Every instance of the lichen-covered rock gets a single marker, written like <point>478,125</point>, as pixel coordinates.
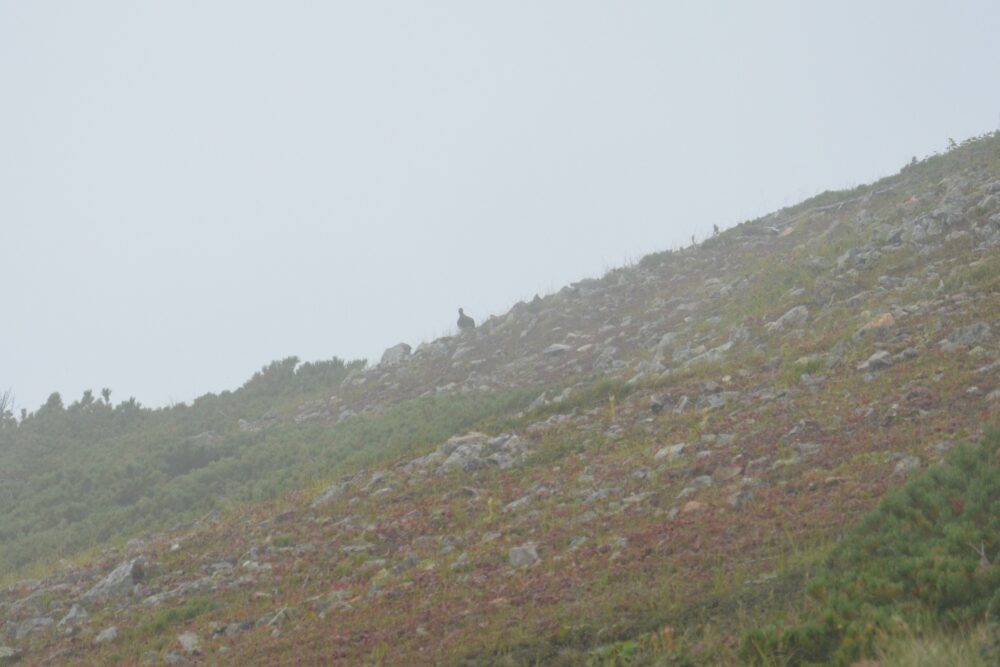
<point>107,635</point>
<point>118,582</point>
<point>525,555</point>
<point>395,355</point>
<point>795,317</point>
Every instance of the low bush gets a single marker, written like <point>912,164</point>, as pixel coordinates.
<point>925,558</point>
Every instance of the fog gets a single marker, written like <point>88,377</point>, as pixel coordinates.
<point>189,190</point>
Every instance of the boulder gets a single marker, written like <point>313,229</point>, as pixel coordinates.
<point>74,616</point>
<point>795,317</point>
<point>692,506</point>
<point>107,635</point>
<point>525,555</point>
<point>974,334</point>
<point>31,625</point>
<point>395,355</point>
<point>907,464</point>
<point>190,642</point>
<point>330,494</point>
<point>877,361</point>
<point>8,655</point>
<point>119,581</point>
<point>883,321</point>
<point>669,452</point>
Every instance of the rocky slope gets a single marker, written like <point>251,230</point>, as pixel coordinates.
<point>708,422</point>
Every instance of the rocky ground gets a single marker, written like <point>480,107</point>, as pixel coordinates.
<point>708,422</point>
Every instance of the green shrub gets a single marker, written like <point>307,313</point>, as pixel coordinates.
<point>923,558</point>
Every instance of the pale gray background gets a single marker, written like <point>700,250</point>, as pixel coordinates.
<point>189,190</point>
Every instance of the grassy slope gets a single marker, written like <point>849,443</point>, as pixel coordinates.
<point>86,475</point>
<point>656,580</point>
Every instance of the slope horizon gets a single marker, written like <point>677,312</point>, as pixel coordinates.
<point>691,460</point>
<point>497,308</point>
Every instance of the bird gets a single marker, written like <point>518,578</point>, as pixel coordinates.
<point>465,323</point>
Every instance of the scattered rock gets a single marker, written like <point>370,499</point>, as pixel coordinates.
<point>795,317</point>
<point>32,625</point>
<point>232,629</point>
<point>395,355</point>
<point>877,361</point>
<point>726,473</point>
<point>119,581</point>
<point>807,448</point>
<point>190,643</point>
<point>330,494</point>
<point>881,322</point>
<point>525,555</point>
<point>692,506</point>
<point>74,616</point>
<point>280,617</point>
<point>979,333</point>
<point>907,464</point>
<point>8,655</point>
<point>669,452</point>
<point>107,635</point>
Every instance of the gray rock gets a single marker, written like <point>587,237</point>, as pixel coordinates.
<point>877,361</point>
<point>396,354</point>
<point>330,494</point>
<point>807,448</point>
<point>516,505</point>
<point>716,401</point>
<point>107,635</point>
<point>190,642</point>
<point>907,464</point>
<point>466,457</point>
<point>600,494</point>
<point>280,617</point>
<point>525,555</point>
<point>607,359</point>
<point>74,616</point>
<point>234,629</point>
<point>173,658</point>
<point>795,317</point>
<point>31,625</point>
<point>715,354</point>
<point>8,655</point>
<point>703,481</point>
<point>539,402</point>
<point>438,348</point>
<point>119,581</point>
<point>975,334</point>
<point>472,438</point>
<point>557,349</point>
<point>669,452</point>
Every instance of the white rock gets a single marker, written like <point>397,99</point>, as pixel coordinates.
<point>107,635</point>
<point>523,556</point>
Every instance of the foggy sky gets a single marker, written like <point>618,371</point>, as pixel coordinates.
<point>189,190</point>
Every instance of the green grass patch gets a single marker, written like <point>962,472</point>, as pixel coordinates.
<point>166,619</point>
<point>924,558</point>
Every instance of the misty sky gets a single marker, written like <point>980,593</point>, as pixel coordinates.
<point>189,190</point>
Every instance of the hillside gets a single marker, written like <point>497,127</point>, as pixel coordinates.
<point>645,468</point>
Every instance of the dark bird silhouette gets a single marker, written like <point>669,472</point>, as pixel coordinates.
<point>465,323</point>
